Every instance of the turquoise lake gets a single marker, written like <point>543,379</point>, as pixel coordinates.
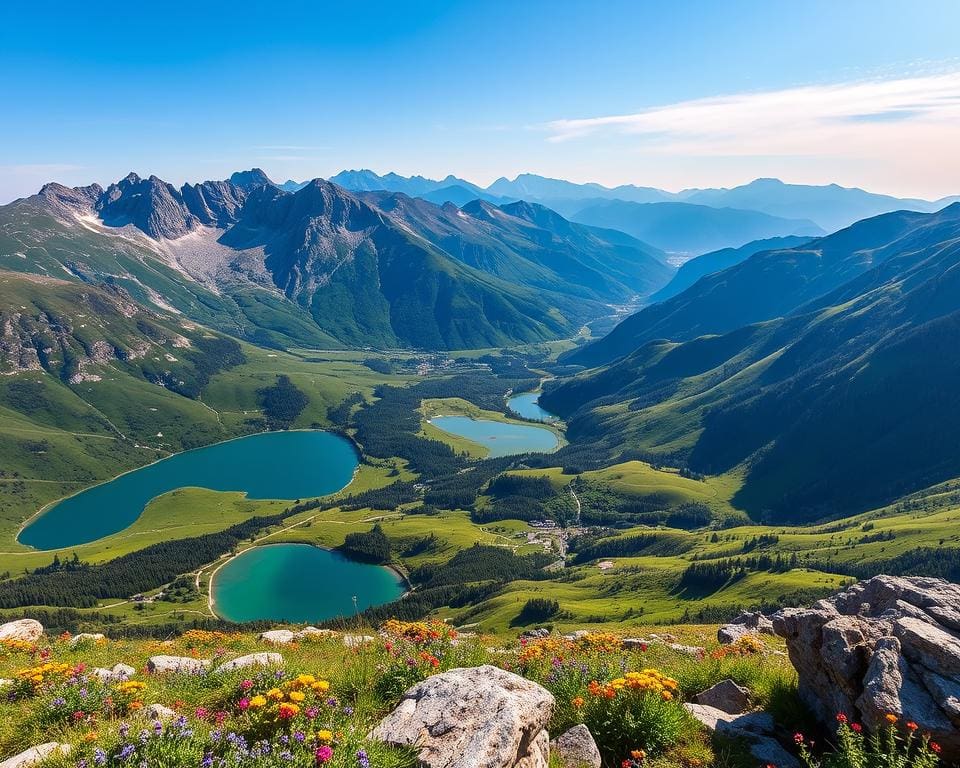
<point>500,438</point>
<point>299,582</point>
<point>528,406</point>
<point>272,465</point>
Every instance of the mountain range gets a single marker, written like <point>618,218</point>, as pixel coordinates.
<point>323,266</point>
<point>823,373</point>
<point>830,206</point>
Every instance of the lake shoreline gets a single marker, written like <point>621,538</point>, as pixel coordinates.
<point>50,506</point>
<point>400,578</point>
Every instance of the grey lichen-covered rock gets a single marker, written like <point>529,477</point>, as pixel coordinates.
<point>28,630</point>
<point>35,755</point>
<point>726,696</point>
<point>312,633</point>
<point>750,623</point>
<point>476,717</point>
<point>576,748</point>
<point>262,659</point>
<point>278,636</point>
<point>160,664</point>
<point>755,728</point>
<point>885,645</point>
<point>744,726</point>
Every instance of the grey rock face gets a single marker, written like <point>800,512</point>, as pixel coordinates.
<point>726,696</point>
<point>152,205</point>
<point>477,717</point>
<point>886,645</point>
<point>214,203</point>
<point>577,748</point>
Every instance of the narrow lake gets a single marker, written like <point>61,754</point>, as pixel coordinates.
<point>500,438</point>
<point>272,465</point>
<point>527,405</point>
<point>299,582</point>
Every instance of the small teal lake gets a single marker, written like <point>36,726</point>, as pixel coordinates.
<point>272,465</point>
<point>500,438</point>
<point>528,406</point>
<point>299,582</point>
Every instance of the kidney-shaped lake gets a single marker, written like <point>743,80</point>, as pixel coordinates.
<point>272,465</point>
<point>299,582</point>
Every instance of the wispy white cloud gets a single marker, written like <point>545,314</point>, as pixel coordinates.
<point>853,120</point>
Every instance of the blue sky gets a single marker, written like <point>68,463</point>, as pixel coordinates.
<point>666,94</point>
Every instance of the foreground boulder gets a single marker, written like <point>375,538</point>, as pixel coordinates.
<point>577,748</point>
<point>35,755</point>
<point>27,630</point>
<point>476,717</point>
<point>888,645</point>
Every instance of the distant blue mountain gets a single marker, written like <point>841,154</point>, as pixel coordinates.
<point>715,261</point>
<point>415,186</point>
<point>688,228</point>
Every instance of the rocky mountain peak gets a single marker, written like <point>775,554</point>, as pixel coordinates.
<point>153,206</point>
<point>255,177</point>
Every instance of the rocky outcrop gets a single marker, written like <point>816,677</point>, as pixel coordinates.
<point>888,645</point>
<point>576,748</point>
<point>477,717</point>
<point>27,630</point>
